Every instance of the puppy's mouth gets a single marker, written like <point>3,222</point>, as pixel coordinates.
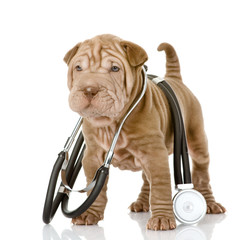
<point>93,112</point>
<point>100,105</point>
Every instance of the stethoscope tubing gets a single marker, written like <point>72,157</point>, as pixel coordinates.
<point>99,180</point>
<point>177,136</point>
<point>51,204</point>
<point>180,143</point>
<point>183,142</point>
<point>101,176</point>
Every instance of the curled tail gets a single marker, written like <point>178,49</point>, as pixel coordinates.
<point>172,65</point>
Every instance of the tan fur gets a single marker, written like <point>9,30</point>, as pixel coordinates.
<point>102,97</point>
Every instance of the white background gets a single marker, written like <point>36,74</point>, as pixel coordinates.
<point>213,44</point>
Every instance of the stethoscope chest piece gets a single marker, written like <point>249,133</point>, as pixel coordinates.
<point>189,206</point>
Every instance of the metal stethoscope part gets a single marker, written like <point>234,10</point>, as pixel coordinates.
<point>189,205</point>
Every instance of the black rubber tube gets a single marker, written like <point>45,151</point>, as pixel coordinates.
<point>184,150</point>
<point>73,156</point>
<point>185,160</point>
<point>178,126</point>
<point>180,143</point>
<point>177,134</point>
<point>100,180</point>
<point>51,204</point>
<point>77,168</point>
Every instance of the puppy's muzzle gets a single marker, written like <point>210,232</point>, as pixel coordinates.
<point>90,92</point>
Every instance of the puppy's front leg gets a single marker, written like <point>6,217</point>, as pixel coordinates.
<point>91,162</point>
<point>156,167</point>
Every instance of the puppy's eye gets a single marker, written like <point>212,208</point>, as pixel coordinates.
<point>115,69</point>
<point>78,68</point>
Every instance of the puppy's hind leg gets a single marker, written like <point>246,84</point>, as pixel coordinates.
<point>142,202</point>
<point>198,149</point>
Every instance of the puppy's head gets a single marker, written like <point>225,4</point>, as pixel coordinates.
<point>104,77</point>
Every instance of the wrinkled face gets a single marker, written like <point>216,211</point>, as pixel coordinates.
<point>100,80</point>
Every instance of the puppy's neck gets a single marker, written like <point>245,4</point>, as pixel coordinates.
<point>100,122</point>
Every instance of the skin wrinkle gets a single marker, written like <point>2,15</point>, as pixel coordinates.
<point>97,55</point>
<point>146,138</point>
<point>126,88</point>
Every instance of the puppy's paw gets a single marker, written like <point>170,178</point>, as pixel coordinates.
<point>161,223</point>
<point>215,208</point>
<point>87,218</point>
<point>139,206</point>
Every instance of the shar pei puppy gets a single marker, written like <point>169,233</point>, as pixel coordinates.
<point>104,78</point>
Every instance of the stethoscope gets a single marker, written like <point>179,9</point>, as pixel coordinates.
<point>189,205</point>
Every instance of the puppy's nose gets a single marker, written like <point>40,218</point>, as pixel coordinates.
<point>90,92</point>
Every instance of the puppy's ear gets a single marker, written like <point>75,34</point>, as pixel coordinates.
<point>71,53</point>
<point>136,54</point>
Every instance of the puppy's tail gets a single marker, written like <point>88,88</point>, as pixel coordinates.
<point>172,65</point>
